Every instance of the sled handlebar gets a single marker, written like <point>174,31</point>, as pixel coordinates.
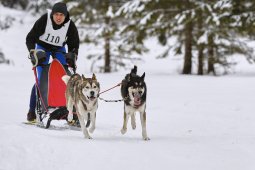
<point>39,56</point>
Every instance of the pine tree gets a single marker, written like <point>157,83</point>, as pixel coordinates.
<point>39,6</point>
<point>164,19</point>
<point>207,31</point>
<point>101,27</point>
<point>224,34</point>
<point>15,3</point>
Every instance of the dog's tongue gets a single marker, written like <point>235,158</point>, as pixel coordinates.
<point>91,98</point>
<point>137,100</point>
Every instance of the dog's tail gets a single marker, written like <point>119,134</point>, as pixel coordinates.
<point>65,78</point>
<point>134,70</point>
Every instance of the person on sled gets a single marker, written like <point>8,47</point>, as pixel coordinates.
<point>50,33</point>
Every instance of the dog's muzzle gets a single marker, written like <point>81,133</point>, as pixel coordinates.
<point>137,98</point>
<point>92,96</point>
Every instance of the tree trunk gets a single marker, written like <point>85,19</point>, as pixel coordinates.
<point>200,46</point>
<point>107,67</point>
<point>200,60</point>
<point>187,68</point>
<point>37,7</point>
<point>211,60</point>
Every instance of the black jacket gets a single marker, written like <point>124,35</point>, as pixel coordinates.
<point>39,29</point>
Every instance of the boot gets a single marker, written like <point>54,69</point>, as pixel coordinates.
<point>31,116</point>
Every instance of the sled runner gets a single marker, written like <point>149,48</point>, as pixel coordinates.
<point>50,93</point>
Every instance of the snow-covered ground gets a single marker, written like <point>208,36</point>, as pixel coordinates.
<point>194,122</point>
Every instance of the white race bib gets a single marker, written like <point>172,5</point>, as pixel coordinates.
<point>54,37</point>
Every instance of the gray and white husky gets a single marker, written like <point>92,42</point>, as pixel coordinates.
<point>134,91</point>
<point>82,93</point>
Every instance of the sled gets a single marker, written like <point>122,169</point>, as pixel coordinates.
<point>50,95</point>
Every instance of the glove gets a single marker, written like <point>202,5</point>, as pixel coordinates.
<point>71,59</point>
<point>37,57</point>
<point>41,56</point>
<point>32,58</point>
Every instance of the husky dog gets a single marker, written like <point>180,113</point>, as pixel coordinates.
<point>82,93</point>
<point>133,91</point>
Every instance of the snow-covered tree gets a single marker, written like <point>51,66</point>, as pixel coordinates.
<point>99,25</point>
<point>164,19</point>
<point>17,4</point>
<point>203,28</point>
<point>221,35</point>
<point>39,6</point>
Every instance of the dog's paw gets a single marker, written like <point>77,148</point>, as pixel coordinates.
<point>70,117</point>
<point>123,131</point>
<point>146,138</point>
<point>88,137</point>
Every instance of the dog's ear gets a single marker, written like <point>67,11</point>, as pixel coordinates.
<point>134,70</point>
<point>143,76</point>
<point>131,76</point>
<point>94,77</point>
<point>83,77</point>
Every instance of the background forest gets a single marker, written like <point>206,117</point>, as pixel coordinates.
<point>206,33</point>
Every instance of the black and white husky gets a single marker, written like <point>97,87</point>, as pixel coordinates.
<point>133,91</point>
<point>82,93</point>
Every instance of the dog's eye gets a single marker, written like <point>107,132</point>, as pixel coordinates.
<point>94,87</point>
<point>87,87</point>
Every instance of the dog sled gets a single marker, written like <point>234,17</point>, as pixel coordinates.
<point>50,91</point>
